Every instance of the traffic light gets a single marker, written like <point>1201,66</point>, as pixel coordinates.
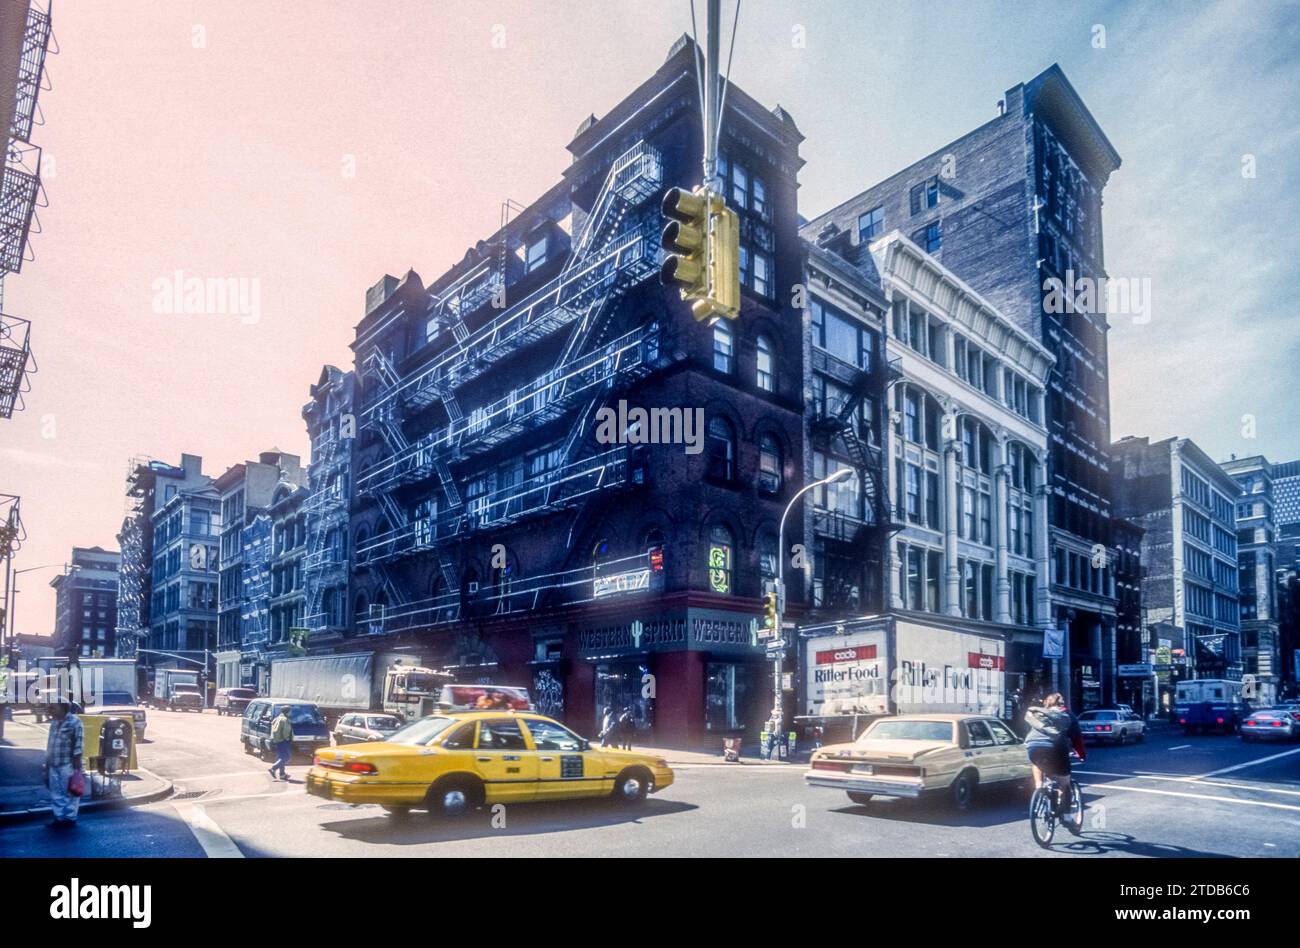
<point>769,610</point>
<point>702,238</point>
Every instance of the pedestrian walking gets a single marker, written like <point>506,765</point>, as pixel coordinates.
<point>608,724</point>
<point>64,746</point>
<point>626,725</point>
<point>282,741</point>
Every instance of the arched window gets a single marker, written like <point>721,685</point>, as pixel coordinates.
<point>766,365</point>
<point>769,464</point>
<point>721,450</point>
<point>724,348</point>
<point>720,559</point>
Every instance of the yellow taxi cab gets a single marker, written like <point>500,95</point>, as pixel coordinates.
<point>452,763</point>
<point>914,755</point>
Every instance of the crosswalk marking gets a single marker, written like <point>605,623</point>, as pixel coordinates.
<point>1100,788</point>
<point>1200,781</point>
<point>216,844</point>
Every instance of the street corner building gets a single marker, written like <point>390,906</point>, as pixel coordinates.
<point>561,479</point>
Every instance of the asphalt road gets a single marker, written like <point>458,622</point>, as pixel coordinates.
<point>1172,796</point>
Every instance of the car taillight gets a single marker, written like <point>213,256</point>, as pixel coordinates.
<point>315,760</point>
<point>1251,723</point>
<point>1218,720</point>
<point>358,767</point>
<point>1277,723</point>
<point>839,765</point>
<point>1105,727</point>
<point>1182,720</point>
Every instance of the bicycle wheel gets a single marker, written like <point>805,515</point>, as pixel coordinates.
<point>1073,817</point>
<point>1042,819</point>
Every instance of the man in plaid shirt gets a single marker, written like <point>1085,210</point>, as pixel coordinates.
<point>63,749</point>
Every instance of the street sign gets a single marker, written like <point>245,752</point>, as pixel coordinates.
<point>776,649</point>
<point>1135,671</point>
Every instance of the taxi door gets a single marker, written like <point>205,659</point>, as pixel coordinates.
<point>1015,760</point>
<point>504,762</point>
<point>565,767</point>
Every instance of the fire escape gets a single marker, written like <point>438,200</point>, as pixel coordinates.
<point>324,566</point>
<point>20,195</point>
<point>838,426</point>
<point>615,250</point>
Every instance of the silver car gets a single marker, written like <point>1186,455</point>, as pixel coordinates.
<point>360,727</point>
<point>1114,724</point>
<point>1278,724</point>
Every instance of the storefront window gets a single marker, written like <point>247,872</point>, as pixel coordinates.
<point>727,695</point>
<point>621,685</point>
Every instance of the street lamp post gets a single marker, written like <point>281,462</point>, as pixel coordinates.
<point>13,594</point>
<point>777,722</point>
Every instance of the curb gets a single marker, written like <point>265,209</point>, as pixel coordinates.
<point>40,812</point>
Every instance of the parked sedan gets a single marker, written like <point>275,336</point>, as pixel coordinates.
<point>1112,725</point>
<point>1278,724</point>
<point>914,755</point>
<point>359,728</point>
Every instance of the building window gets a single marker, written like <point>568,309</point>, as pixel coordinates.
<point>723,347</point>
<point>535,255</point>
<point>762,274</point>
<point>766,369</point>
<point>759,203</point>
<point>871,224</point>
<point>769,464</point>
<point>720,554</point>
<point>721,450</point>
<point>930,237</point>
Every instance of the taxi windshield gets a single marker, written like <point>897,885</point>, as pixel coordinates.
<point>909,731</point>
<point>421,731</point>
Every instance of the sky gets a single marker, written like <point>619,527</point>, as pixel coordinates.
<point>304,150</point>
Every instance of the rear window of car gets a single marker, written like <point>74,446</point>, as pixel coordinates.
<point>909,731</point>
<point>1097,716</point>
<point>241,693</point>
<point>383,724</point>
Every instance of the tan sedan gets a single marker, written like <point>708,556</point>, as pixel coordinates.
<point>914,755</point>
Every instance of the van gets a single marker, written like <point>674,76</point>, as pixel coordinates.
<point>309,730</point>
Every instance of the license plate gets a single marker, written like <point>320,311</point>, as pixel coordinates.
<point>866,769</point>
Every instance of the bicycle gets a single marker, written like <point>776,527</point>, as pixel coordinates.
<point>1045,811</point>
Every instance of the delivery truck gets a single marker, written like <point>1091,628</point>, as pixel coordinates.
<point>177,689</point>
<point>359,681</point>
<point>107,682</point>
<point>857,671</point>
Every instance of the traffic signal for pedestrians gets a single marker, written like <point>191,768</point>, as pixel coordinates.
<point>702,238</point>
<point>769,611</point>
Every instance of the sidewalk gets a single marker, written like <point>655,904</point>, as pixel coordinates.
<point>696,757</point>
<point>24,796</point>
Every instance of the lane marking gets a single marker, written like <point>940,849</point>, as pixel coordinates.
<point>1193,796</point>
<point>1196,780</point>
<point>1250,763</point>
<point>216,844</point>
<point>1180,747</point>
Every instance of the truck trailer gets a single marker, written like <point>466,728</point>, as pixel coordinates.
<point>359,681</point>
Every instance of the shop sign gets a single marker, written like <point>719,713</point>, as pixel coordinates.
<point>1134,671</point>
<point>1054,643</point>
<point>630,581</point>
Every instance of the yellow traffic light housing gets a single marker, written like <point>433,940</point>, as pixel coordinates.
<point>702,238</point>
<point>769,610</point>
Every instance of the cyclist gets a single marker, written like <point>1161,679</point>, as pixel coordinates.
<point>1052,733</point>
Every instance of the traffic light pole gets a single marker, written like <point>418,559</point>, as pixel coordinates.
<point>712,113</point>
